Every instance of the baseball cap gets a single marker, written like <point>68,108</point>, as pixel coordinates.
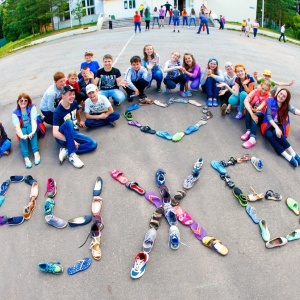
<point>213,59</point>
<point>267,72</point>
<point>68,88</point>
<point>90,88</point>
<point>88,53</point>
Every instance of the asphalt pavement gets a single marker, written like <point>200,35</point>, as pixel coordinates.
<point>249,271</point>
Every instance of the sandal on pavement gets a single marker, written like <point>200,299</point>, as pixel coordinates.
<point>292,205</point>
<point>164,135</point>
<point>238,194</point>
<point>133,107</point>
<point>159,103</point>
<point>145,101</point>
<point>81,265</point>
<point>34,190</point>
<point>154,199</point>
<point>119,176</point>
<point>257,163</point>
<point>96,205</point>
<point>215,245</point>
<point>194,102</point>
<point>134,123</point>
<point>205,109</point>
<point>227,180</point>
<point>198,231</point>
<point>270,195</point>
<point>135,187</point>
<point>95,247</point>
<point>183,216</point>
<point>244,158</point>
<point>252,214</point>
<point>218,166</point>
<point>180,194</point>
<point>128,115</point>
<point>165,194</point>
<point>254,197</point>
<point>156,217</point>
<point>178,136</point>
<point>147,129</point>
<point>231,162</point>
<point>265,234</point>
<point>191,129</point>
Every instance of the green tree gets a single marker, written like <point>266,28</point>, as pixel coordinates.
<point>78,12</point>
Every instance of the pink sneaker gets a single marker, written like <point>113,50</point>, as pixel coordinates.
<point>245,136</point>
<point>51,188</point>
<point>248,145</point>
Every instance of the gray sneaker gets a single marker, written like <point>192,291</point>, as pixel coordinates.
<point>75,161</point>
<point>149,240</point>
<point>55,222</point>
<point>63,153</point>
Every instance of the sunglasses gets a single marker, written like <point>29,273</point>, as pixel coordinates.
<point>229,66</point>
<point>23,100</point>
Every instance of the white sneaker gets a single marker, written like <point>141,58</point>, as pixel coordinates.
<point>75,161</point>
<point>63,153</point>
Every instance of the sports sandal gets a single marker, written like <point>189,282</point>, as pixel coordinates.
<point>215,245</point>
<point>238,194</point>
<point>128,115</point>
<point>254,197</point>
<point>257,163</point>
<point>135,187</point>
<point>231,162</point>
<point>270,195</point>
<point>205,109</point>
<point>81,265</point>
<point>208,116</point>
<point>227,180</point>
<point>156,217</point>
<point>180,194</point>
<point>119,176</point>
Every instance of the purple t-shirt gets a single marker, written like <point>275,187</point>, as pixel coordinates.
<point>161,12</point>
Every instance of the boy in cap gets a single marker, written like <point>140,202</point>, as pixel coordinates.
<point>65,129</point>
<point>98,110</point>
<point>52,96</point>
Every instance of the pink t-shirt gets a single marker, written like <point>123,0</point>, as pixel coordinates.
<point>161,12</point>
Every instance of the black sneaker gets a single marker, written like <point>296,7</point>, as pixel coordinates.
<point>116,103</point>
<point>129,99</point>
<point>143,96</point>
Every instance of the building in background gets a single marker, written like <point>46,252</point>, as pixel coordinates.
<point>233,10</point>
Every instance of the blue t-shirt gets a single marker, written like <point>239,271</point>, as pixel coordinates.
<point>93,65</point>
<point>61,115</point>
<point>240,83</point>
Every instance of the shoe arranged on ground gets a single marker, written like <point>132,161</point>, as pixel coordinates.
<point>160,177</point>
<point>51,188</point>
<point>76,161</point>
<point>139,266</point>
<point>3,220</point>
<point>15,220</point>
<point>63,153</point>
<point>293,162</point>
<point>174,237</point>
<point>51,267</point>
<point>149,240</point>
<point>55,222</point>
<point>48,207</point>
<point>28,209</point>
<point>170,214</point>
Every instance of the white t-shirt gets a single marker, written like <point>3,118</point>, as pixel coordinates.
<point>101,106</point>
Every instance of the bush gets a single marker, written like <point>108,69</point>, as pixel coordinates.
<point>24,35</point>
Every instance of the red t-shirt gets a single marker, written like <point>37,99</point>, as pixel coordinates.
<point>75,85</point>
<point>137,18</point>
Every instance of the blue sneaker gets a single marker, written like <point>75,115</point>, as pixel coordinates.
<point>188,93</point>
<point>48,207</point>
<point>175,238</point>
<point>294,162</point>
<point>55,222</point>
<point>182,94</point>
<point>297,158</point>
<point>168,91</point>
<point>51,267</point>
<point>139,266</point>
<point>198,165</point>
<point>160,177</point>
<point>4,187</point>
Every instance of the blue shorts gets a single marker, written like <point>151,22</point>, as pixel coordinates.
<point>176,21</point>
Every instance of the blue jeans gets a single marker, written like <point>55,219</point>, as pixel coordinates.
<point>235,100</point>
<point>116,95</point>
<point>87,144</point>
<point>48,116</point>
<point>171,83</point>
<point>254,32</point>
<point>212,91</point>
<point>25,143</point>
<point>185,20</point>
<point>158,76</point>
<point>251,125</point>
<point>153,21</point>
<point>192,20</point>
<point>170,20</point>
<point>176,21</point>
<point>102,122</point>
<point>279,144</point>
<point>200,27</point>
<point>5,146</point>
<point>137,25</point>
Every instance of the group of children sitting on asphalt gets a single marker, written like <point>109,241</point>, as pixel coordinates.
<point>235,87</point>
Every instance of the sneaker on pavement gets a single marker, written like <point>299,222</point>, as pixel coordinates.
<point>76,161</point>
<point>63,153</point>
<point>55,222</point>
<point>182,94</point>
<point>139,266</point>
<point>175,238</point>
<point>160,177</point>
<point>51,267</point>
<point>297,158</point>
<point>149,240</point>
<point>294,162</point>
<point>188,93</point>
<point>51,188</point>
<point>48,207</point>
<point>168,91</point>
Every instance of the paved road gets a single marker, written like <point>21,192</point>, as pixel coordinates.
<point>250,271</point>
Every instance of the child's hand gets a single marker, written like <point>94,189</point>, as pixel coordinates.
<point>292,82</point>
<point>91,75</point>
<point>246,81</point>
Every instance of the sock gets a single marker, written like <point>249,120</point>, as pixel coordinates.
<point>252,140</point>
<point>291,150</point>
<point>287,156</point>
